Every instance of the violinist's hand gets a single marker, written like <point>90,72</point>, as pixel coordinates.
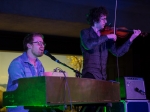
<point>135,34</point>
<point>112,36</point>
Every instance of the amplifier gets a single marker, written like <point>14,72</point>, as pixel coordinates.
<point>134,88</point>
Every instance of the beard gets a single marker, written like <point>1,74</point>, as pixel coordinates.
<point>37,53</point>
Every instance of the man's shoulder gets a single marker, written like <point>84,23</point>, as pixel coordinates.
<point>18,59</point>
<point>86,29</point>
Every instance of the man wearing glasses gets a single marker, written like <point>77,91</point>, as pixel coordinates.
<point>27,64</point>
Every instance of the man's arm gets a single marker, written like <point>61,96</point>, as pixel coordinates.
<point>120,51</point>
<point>15,71</point>
<point>90,40</point>
<point>125,47</point>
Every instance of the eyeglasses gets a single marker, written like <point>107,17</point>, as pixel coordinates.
<point>40,43</point>
<point>103,19</point>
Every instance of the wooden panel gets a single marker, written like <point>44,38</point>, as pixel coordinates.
<point>50,91</point>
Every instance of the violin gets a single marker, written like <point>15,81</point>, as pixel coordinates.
<point>121,32</point>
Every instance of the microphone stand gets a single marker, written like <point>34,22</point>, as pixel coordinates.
<point>78,74</point>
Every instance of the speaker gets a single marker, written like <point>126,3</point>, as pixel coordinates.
<point>130,106</point>
<point>134,88</point>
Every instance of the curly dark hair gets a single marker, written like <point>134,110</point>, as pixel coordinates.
<point>95,13</point>
<point>29,39</point>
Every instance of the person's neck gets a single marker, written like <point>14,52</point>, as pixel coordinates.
<point>95,29</point>
<point>32,58</point>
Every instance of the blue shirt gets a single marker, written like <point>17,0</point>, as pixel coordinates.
<point>20,67</point>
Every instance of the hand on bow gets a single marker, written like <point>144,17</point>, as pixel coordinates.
<point>112,36</point>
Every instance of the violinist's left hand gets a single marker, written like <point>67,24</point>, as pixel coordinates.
<point>135,34</point>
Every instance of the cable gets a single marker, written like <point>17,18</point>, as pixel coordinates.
<point>118,69</point>
<point>66,86</point>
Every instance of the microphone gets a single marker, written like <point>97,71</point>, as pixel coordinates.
<point>52,57</point>
<point>140,91</point>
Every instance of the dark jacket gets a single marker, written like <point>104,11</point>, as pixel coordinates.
<point>95,52</point>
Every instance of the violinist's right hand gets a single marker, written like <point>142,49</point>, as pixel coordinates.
<point>112,36</point>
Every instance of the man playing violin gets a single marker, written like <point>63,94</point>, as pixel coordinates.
<point>95,46</point>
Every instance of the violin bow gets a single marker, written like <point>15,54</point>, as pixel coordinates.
<point>115,18</point>
<point>115,33</point>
